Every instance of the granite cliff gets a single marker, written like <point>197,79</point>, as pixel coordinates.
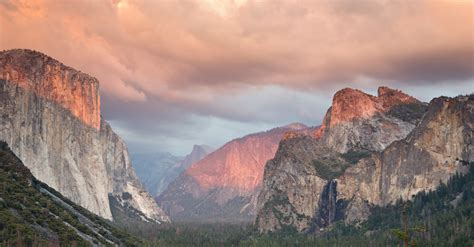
<point>224,185</point>
<point>369,151</point>
<point>50,117</point>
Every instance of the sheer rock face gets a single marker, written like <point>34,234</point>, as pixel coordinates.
<point>295,189</point>
<point>51,120</point>
<point>291,186</point>
<point>224,185</point>
<point>49,79</point>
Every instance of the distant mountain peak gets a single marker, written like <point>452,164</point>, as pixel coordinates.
<point>156,170</point>
<point>198,152</point>
<point>201,148</point>
<point>295,126</point>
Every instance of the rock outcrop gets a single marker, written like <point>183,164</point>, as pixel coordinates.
<point>359,120</point>
<point>50,117</point>
<point>157,170</point>
<point>395,148</point>
<point>224,185</point>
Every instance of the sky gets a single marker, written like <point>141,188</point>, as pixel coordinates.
<point>174,73</point>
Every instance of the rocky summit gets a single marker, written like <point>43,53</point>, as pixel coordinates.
<point>370,151</point>
<point>357,120</point>
<point>50,117</point>
<point>224,185</point>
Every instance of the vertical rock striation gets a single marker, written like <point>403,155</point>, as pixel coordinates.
<point>50,117</point>
<point>52,81</point>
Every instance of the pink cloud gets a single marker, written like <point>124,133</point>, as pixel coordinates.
<point>184,50</point>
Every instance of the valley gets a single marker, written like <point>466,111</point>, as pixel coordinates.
<point>372,161</point>
<point>236,123</point>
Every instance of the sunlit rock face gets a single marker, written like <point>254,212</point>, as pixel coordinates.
<point>360,120</point>
<point>224,185</point>
<point>349,104</point>
<point>51,120</point>
<point>314,180</point>
<point>51,80</point>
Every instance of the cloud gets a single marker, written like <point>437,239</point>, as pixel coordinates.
<point>158,125</point>
<point>185,60</point>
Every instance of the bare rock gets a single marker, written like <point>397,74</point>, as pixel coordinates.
<point>51,120</point>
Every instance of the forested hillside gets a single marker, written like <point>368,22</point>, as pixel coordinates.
<point>33,214</point>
